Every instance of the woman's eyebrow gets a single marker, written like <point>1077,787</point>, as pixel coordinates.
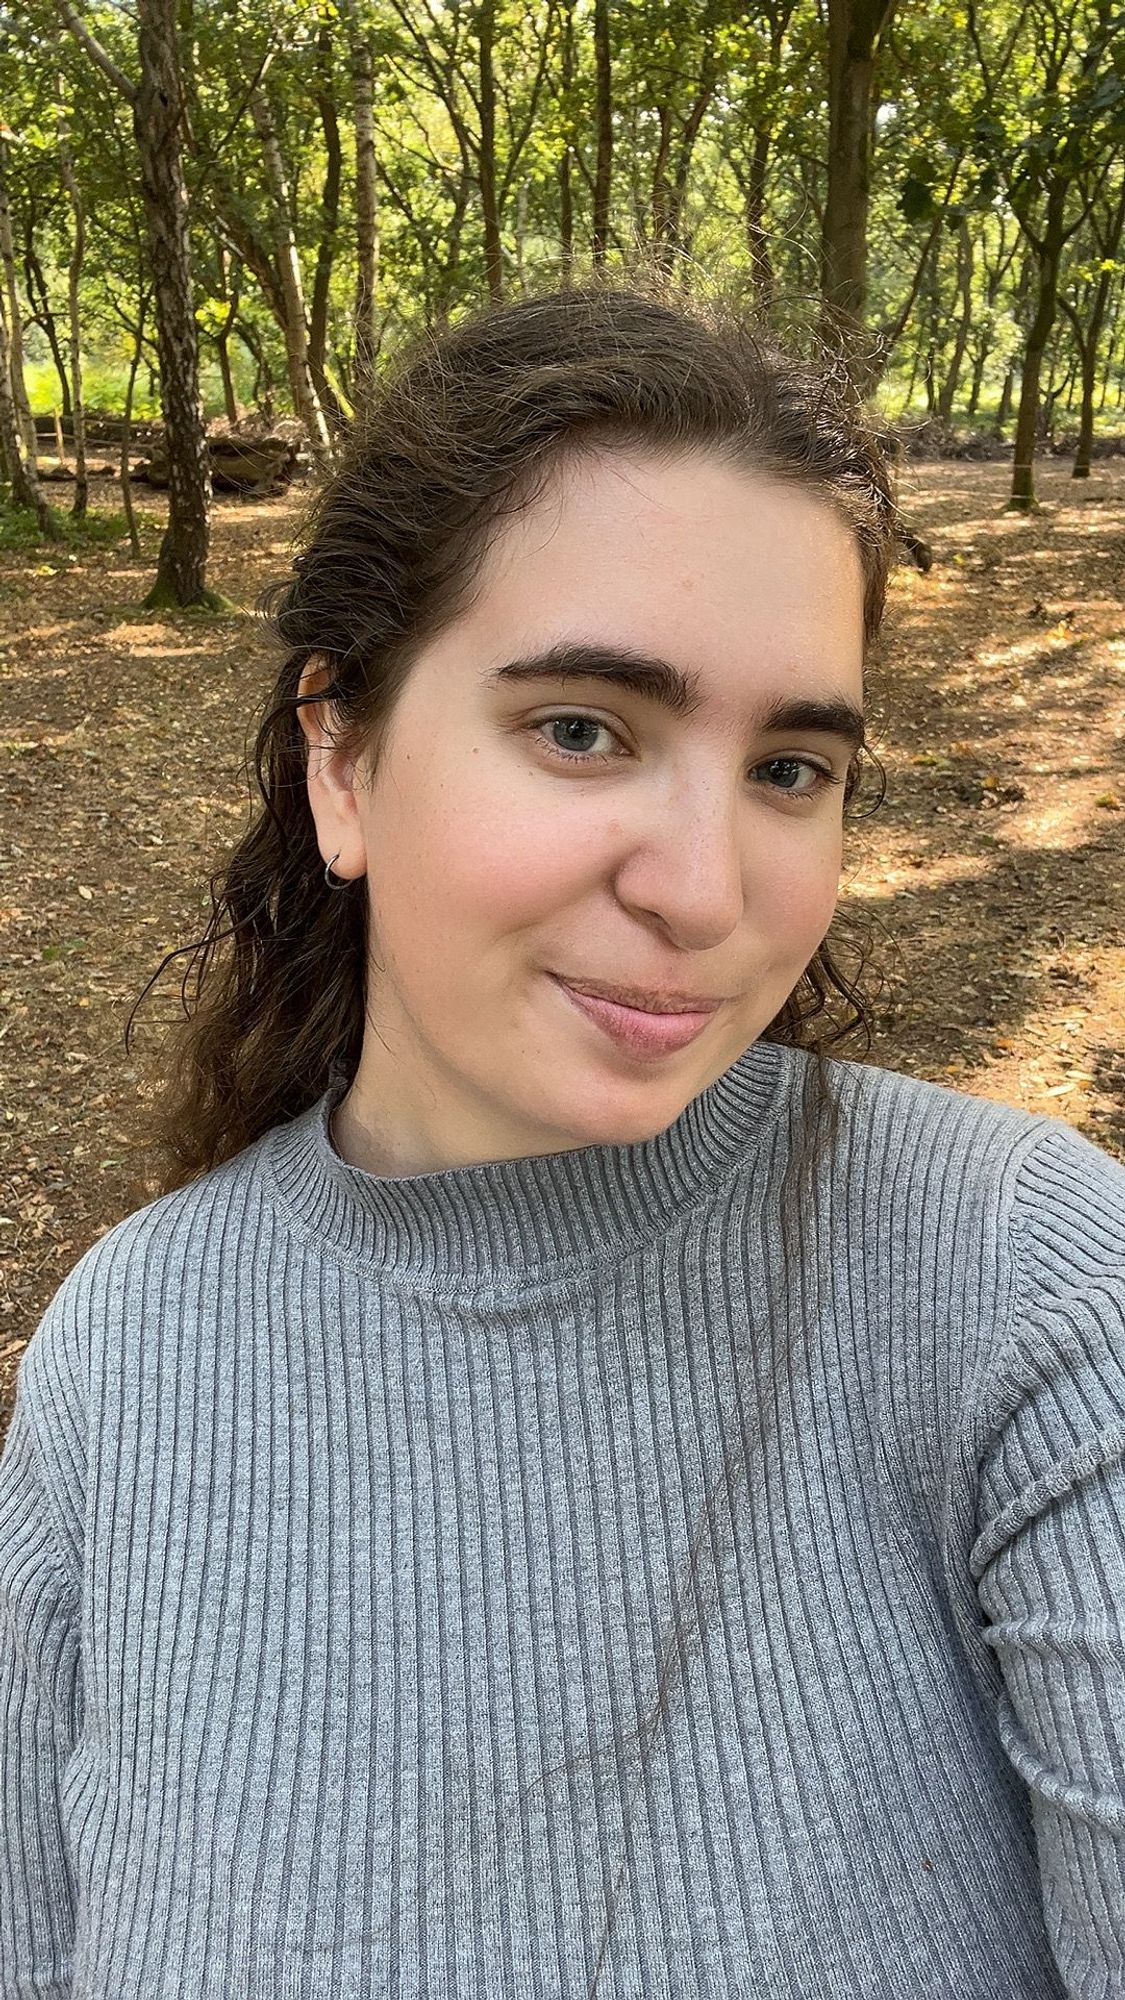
<point>657,680</point>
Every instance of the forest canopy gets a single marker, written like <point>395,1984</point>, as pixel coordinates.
<point>215,210</point>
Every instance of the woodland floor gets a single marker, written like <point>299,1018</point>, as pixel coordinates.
<point>993,873</point>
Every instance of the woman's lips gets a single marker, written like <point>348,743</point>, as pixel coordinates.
<point>642,1034</point>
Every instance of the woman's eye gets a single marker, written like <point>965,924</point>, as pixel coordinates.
<point>577,726</point>
<point>785,774</point>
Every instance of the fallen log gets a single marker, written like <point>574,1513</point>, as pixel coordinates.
<point>244,461</point>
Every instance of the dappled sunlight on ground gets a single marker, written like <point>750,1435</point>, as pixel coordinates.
<point>154,642</point>
<point>997,862</point>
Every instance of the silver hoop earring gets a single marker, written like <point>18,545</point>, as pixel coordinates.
<point>330,878</point>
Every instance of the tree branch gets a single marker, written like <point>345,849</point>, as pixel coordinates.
<point>96,53</point>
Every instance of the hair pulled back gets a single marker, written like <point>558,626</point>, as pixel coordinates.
<point>466,427</point>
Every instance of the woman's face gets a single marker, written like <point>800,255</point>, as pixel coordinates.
<point>678,850</point>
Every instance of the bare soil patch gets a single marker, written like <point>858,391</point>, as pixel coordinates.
<point>993,872</point>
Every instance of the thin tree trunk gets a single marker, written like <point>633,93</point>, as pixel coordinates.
<point>15,332</point>
<point>928,378</point>
<point>1022,496</point>
<point>915,360</point>
<point>367,340</point>
<point>1087,339</point>
<point>854,27</point>
<point>181,573</point>
<point>566,164</point>
<point>306,401</point>
<point>1007,390</point>
<point>1111,349</point>
<point>493,261</point>
<point>329,225</point>
<point>757,235</point>
<point>229,291</point>
<point>1090,341</point>
<point>261,395</point>
<point>658,200</point>
<point>43,316</point>
<point>993,280</point>
<point>74,278</point>
<point>520,235</point>
<point>980,356</point>
<point>705,88</point>
<point>603,167</point>
<point>23,475</point>
<point>964,324</point>
<point>1004,407</point>
<point>126,434</point>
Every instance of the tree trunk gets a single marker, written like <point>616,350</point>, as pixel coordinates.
<point>854,27</point>
<point>603,168</point>
<point>305,399</point>
<point>566,164</point>
<point>675,199</point>
<point>1004,407</point>
<point>1111,351</point>
<point>1022,496</point>
<point>928,381</point>
<point>658,203</point>
<point>493,264</point>
<point>366,212</point>
<point>994,275</point>
<point>964,324</point>
<point>915,362</point>
<point>1007,391</point>
<point>43,316</point>
<point>329,225</point>
<point>24,417</point>
<point>23,475</point>
<point>230,292</point>
<point>181,573</point>
<point>1088,340</point>
<point>757,235</point>
<point>980,356</point>
<point>74,278</point>
<point>127,434</point>
<point>261,395</point>
<point>1088,347</point>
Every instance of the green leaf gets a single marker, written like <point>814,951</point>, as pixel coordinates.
<point>916,201</point>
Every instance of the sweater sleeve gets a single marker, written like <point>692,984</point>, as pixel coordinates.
<point>1049,1558</point>
<point>40,1662</point>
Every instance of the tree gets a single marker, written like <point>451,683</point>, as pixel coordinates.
<point>307,401</point>
<point>21,472</point>
<point>1049,143</point>
<point>1107,224</point>
<point>366,313</point>
<point>854,28</point>
<point>74,281</point>
<point>157,105</point>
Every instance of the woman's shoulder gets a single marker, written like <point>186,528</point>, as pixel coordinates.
<point>1060,1187</point>
<point>170,1239</point>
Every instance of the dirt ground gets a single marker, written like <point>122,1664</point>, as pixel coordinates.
<point>992,875</point>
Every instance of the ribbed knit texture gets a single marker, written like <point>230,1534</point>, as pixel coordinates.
<point>343,1521</point>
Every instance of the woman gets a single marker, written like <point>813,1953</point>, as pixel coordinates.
<point>569,1489</point>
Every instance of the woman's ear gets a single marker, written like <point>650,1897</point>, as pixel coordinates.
<point>330,778</point>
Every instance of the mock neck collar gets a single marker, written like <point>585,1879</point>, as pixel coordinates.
<point>539,1217</point>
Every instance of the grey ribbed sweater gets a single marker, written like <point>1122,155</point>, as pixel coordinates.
<point>339,1514</point>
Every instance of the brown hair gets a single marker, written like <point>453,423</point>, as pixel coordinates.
<point>465,429</point>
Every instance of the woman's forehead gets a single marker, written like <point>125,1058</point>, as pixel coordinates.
<point>715,570</point>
